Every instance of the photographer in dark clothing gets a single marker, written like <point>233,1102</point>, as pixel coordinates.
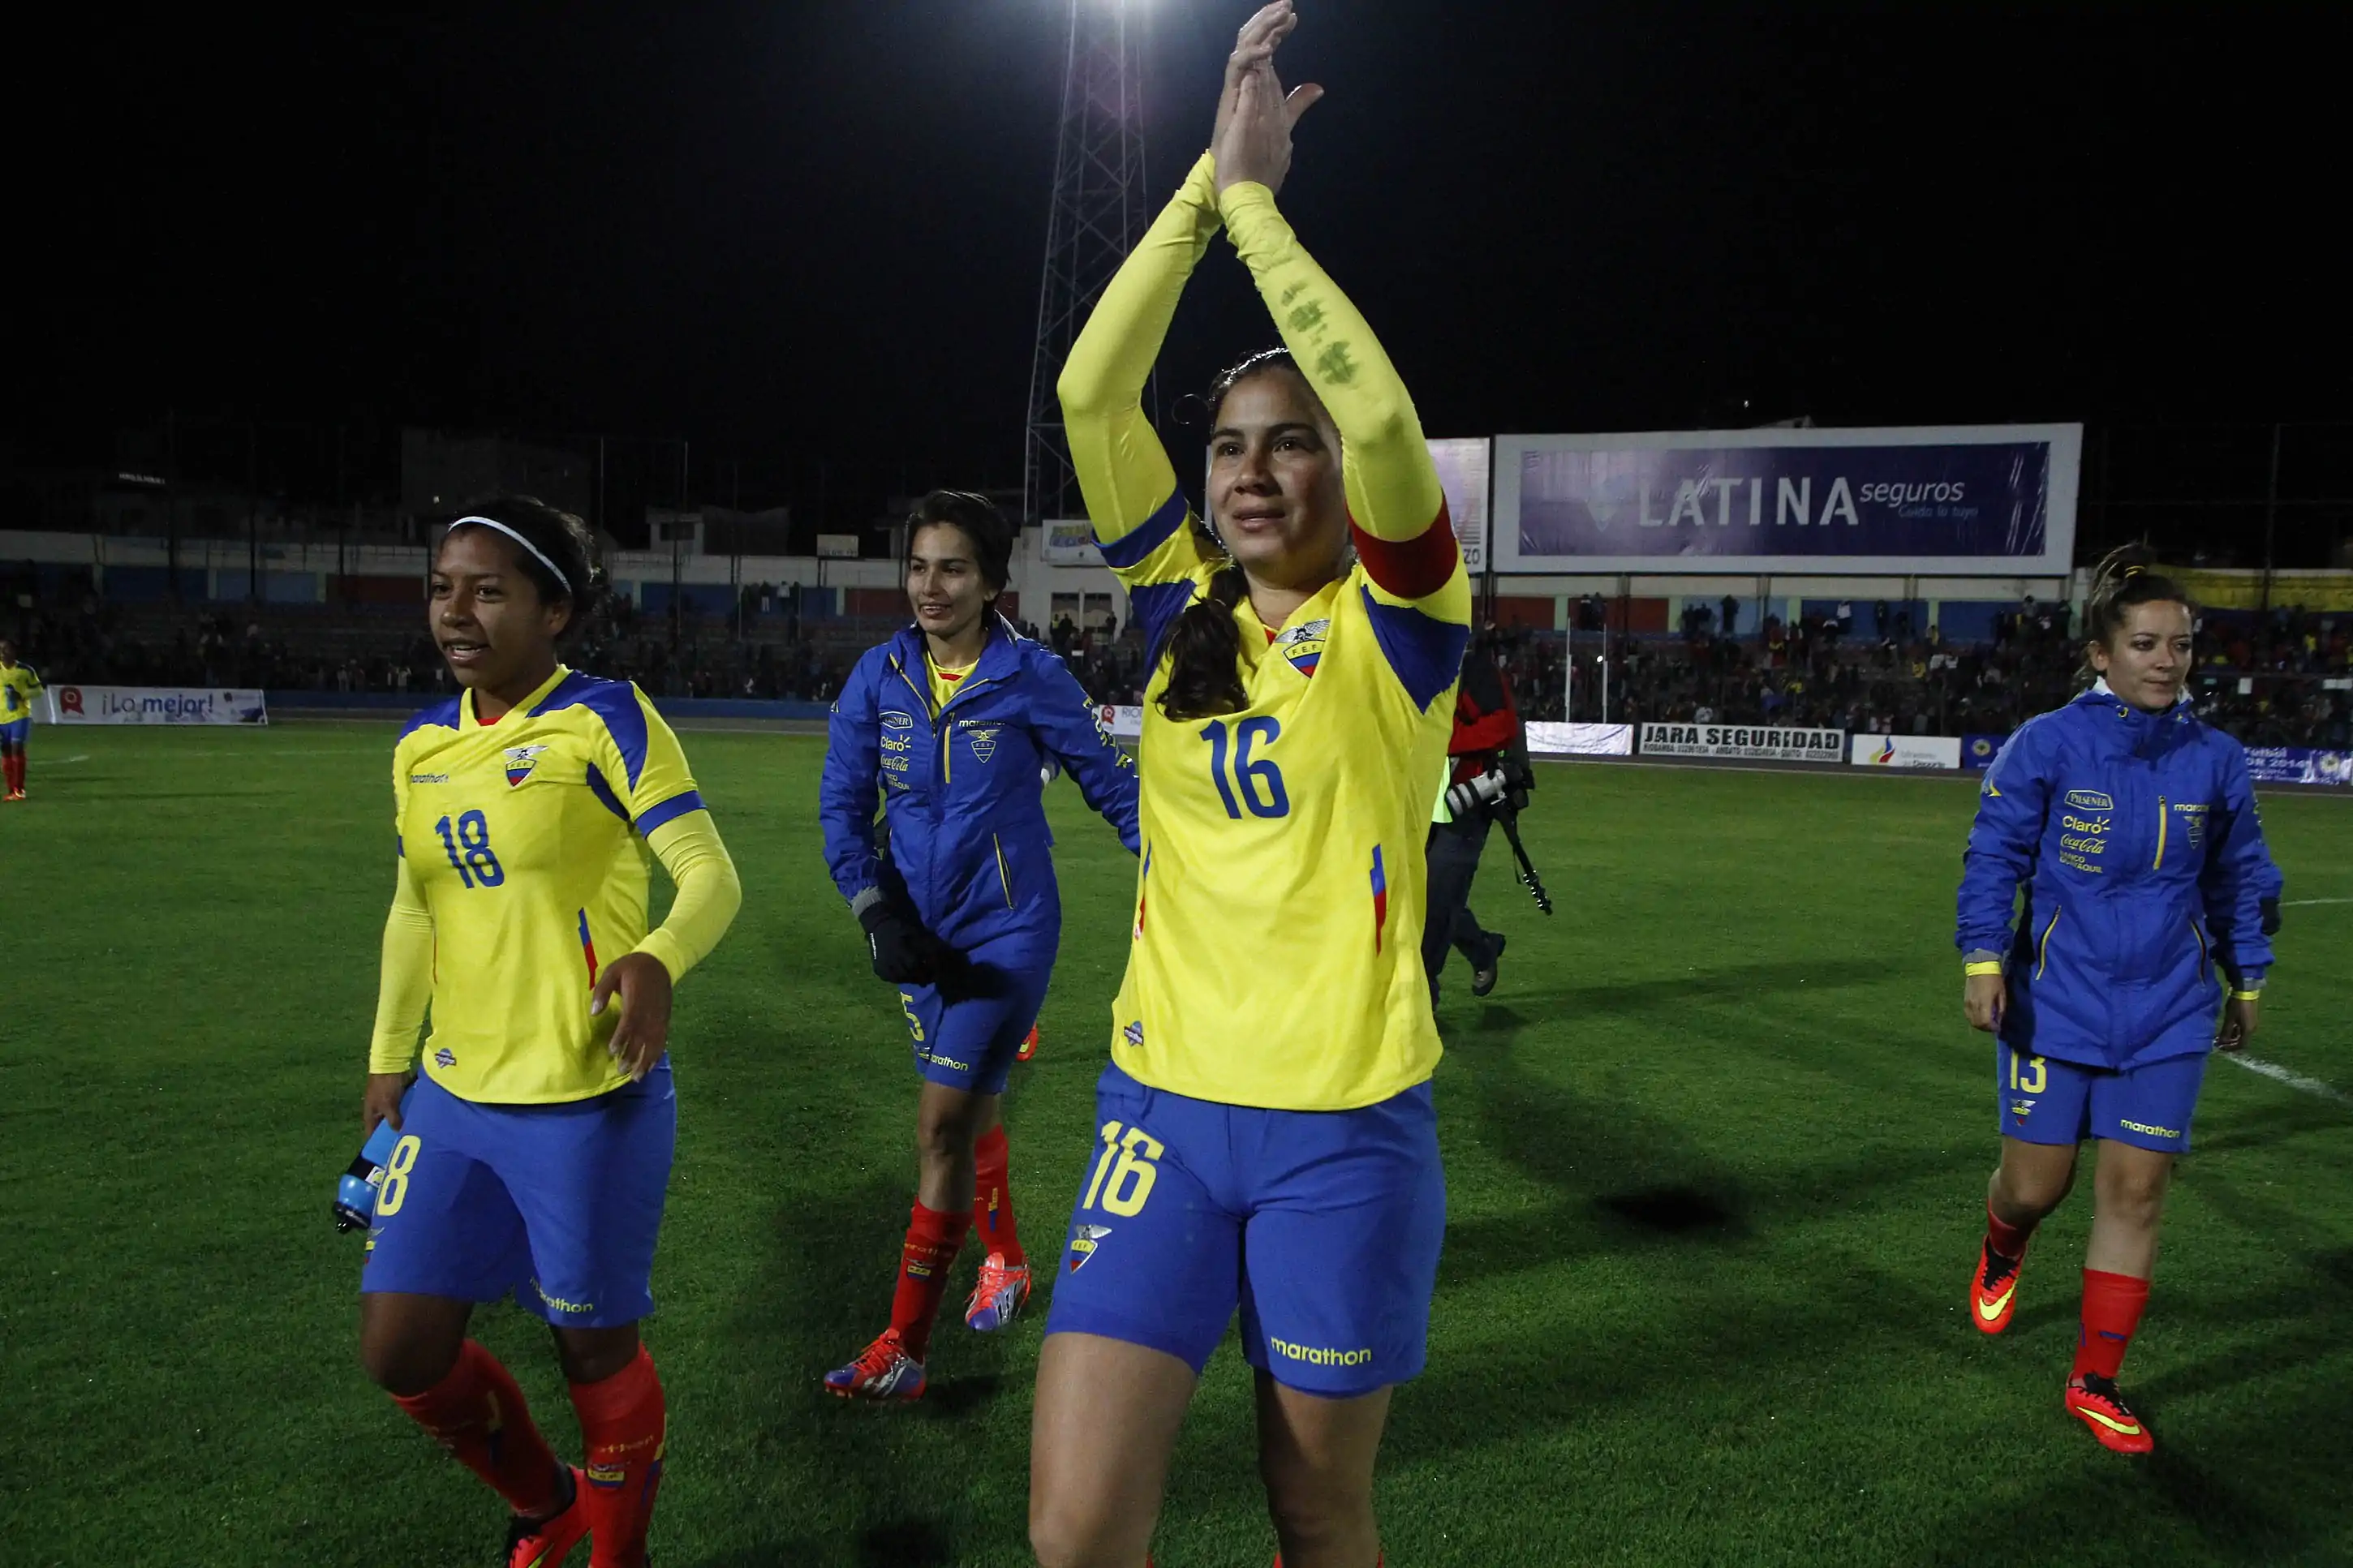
<point>1486,741</point>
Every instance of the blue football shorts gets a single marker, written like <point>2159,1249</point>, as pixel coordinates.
<point>558,1203</point>
<point>2041,1100</point>
<point>1321,1227</point>
<point>16,733</point>
<point>966,1033</point>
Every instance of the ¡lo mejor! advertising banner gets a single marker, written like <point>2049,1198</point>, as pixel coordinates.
<point>153,705</point>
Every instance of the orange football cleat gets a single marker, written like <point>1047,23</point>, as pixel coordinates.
<point>2093,1400</point>
<point>1993,1291</point>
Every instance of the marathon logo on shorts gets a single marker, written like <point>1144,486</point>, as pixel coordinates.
<point>521,760</point>
<point>1304,645</point>
<point>558,1304</point>
<point>2145,1130</point>
<point>1083,1243</point>
<point>1318,1355</point>
<point>444,1058</point>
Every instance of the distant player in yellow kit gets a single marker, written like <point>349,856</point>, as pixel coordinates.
<point>1266,1137</point>
<point>536,1149</point>
<point>18,687</point>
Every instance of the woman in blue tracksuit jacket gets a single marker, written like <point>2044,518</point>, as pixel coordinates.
<point>2151,901</point>
<point>950,725</point>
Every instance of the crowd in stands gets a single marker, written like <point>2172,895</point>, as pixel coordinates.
<point>2292,663</point>
<point>1817,672</point>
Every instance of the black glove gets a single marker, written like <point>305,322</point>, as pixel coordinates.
<point>905,952</point>
<point>2270,908</point>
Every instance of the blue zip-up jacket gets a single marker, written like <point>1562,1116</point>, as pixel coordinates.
<point>2137,838</point>
<point>968,849</point>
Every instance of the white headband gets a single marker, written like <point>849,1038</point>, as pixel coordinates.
<point>537,554</point>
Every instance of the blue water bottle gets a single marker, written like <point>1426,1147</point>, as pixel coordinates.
<point>355,1193</point>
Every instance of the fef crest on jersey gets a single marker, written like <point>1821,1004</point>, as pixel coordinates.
<point>984,740</point>
<point>1302,645</point>
<point>1083,1243</point>
<point>521,761</point>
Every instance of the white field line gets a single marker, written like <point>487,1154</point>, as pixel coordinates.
<point>2279,1074</point>
<point>2307,903</point>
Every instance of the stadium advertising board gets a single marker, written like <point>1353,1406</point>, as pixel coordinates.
<point>1905,751</point>
<point>1979,751</point>
<point>2299,764</point>
<point>1988,500</point>
<point>1546,739</point>
<point>153,705</point>
<point>1463,468</point>
<point>1069,542</point>
<point>1121,724</point>
<point>1755,742</point>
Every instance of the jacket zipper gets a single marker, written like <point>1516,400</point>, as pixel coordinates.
<point>2045,953</point>
<point>2204,959</point>
<point>1003,876</point>
<point>2163,812</point>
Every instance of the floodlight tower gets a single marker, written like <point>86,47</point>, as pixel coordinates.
<point>1097,215</point>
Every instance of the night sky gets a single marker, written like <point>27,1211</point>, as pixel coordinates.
<point>795,231</point>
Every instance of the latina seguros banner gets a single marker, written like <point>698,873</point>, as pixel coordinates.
<point>1905,751</point>
<point>153,705</point>
<point>1756,743</point>
<point>2299,764</point>
<point>1547,739</point>
<point>1970,499</point>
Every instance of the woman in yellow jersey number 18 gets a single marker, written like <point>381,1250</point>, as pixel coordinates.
<point>536,1149</point>
<point>1265,1140</point>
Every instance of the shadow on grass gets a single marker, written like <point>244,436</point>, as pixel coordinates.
<point>870,1472</point>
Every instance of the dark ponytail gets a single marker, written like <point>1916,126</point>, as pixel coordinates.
<point>2125,578</point>
<point>1204,647</point>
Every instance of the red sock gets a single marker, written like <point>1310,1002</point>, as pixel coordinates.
<point>15,772</point>
<point>479,1415</point>
<point>992,1197</point>
<point>2112,1304</point>
<point>622,1423</point>
<point>932,1240</point>
<point>2002,1237</point>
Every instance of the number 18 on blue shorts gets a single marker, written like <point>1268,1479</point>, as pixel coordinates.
<point>1321,1227</point>
<point>558,1203</point>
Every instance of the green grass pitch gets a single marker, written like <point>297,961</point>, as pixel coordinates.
<point>1715,1149</point>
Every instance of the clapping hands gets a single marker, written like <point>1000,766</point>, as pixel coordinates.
<point>1251,142</point>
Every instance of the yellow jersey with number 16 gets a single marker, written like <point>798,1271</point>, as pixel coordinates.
<point>1276,959</point>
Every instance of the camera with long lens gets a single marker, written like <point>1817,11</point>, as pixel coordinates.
<point>1474,795</point>
<point>1502,793</point>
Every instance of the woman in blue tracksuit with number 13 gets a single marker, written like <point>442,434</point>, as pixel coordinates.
<point>947,724</point>
<point>2151,901</point>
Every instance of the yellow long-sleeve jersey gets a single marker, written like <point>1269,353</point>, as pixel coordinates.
<point>1276,953</point>
<point>18,687</point>
<point>522,873</point>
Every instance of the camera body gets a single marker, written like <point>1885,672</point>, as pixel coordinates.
<point>1503,787</point>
